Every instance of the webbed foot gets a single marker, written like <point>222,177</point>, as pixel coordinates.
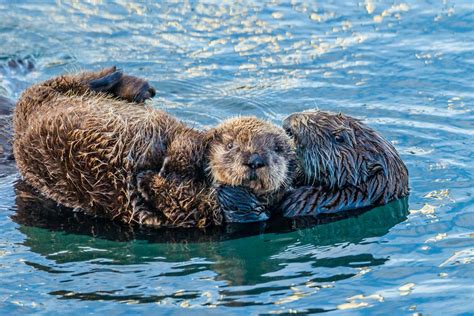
<point>130,88</point>
<point>106,83</point>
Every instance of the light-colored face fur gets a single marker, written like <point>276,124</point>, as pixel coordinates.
<point>245,151</point>
<point>337,151</point>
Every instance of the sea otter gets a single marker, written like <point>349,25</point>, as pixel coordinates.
<point>250,161</point>
<point>343,163</point>
<point>88,142</point>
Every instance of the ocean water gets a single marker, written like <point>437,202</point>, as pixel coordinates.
<point>405,67</point>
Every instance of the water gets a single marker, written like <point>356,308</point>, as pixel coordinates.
<point>405,68</point>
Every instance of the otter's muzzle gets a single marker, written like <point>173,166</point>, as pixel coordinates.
<point>255,162</point>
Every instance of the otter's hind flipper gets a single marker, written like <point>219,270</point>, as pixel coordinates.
<point>106,83</point>
<point>134,89</point>
<point>129,88</point>
<point>240,205</point>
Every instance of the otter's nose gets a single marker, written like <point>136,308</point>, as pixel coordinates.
<point>255,161</point>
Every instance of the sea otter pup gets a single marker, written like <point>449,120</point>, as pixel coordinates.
<point>344,165</point>
<point>250,161</point>
<point>80,141</point>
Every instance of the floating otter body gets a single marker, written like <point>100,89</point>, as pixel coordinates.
<point>344,165</point>
<point>81,148</point>
<point>81,141</point>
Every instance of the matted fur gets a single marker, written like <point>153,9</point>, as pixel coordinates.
<point>112,158</point>
<point>83,149</point>
<point>225,165</point>
<point>346,164</point>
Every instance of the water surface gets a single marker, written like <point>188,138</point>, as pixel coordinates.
<point>405,68</point>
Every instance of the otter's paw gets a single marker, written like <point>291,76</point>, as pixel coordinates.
<point>240,205</point>
<point>145,184</point>
<point>18,65</point>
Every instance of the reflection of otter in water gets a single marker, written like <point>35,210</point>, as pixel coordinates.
<point>83,148</point>
<point>345,164</point>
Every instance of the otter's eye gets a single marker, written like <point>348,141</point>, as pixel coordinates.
<point>230,145</point>
<point>339,138</point>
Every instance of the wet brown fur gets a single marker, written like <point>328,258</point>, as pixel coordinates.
<point>85,149</point>
<point>223,166</point>
<point>236,139</point>
<point>348,164</point>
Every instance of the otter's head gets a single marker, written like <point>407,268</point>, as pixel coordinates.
<point>338,151</point>
<point>245,151</point>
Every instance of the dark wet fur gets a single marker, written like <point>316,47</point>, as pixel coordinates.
<point>344,165</point>
<point>34,210</point>
<point>81,141</point>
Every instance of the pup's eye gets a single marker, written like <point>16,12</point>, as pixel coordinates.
<point>339,138</point>
<point>230,145</point>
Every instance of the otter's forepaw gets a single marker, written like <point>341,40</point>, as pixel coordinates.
<point>144,184</point>
<point>240,205</point>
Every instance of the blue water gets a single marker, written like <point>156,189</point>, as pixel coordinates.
<point>405,68</point>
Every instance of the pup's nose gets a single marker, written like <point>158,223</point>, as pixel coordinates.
<point>255,161</point>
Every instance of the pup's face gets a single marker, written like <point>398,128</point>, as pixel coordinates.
<point>249,152</point>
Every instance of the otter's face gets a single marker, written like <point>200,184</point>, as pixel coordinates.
<point>252,153</point>
<point>335,150</point>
